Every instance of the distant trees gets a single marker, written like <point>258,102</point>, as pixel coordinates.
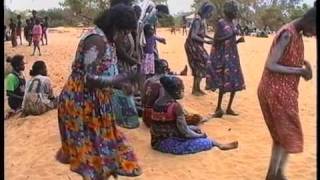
<point>272,13</point>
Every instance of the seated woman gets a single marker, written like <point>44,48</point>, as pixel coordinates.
<point>38,97</point>
<point>15,83</point>
<point>152,91</point>
<point>169,130</point>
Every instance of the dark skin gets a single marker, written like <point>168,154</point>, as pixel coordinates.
<point>18,69</point>
<point>219,112</point>
<point>188,130</point>
<point>195,36</point>
<point>279,155</point>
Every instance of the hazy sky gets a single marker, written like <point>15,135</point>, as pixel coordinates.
<point>175,6</point>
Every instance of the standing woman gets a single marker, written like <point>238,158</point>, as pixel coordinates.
<point>194,46</point>
<point>36,36</point>
<point>19,28</point>
<point>91,142</point>
<point>224,70</point>
<point>13,33</point>
<point>278,90</point>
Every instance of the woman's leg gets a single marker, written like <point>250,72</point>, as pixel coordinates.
<point>274,162</point>
<point>227,146</point>
<point>219,112</point>
<point>34,48</point>
<point>196,86</point>
<point>229,109</point>
<point>39,49</point>
<point>283,162</point>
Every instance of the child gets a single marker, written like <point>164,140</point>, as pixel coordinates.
<point>28,31</point>
<point>36,36</point>
<point>45,26</point>
<point>15,83</point>
<point>38,97</point>
<point>13,27</point>
<point>19,28</point>
<point>149,50</point>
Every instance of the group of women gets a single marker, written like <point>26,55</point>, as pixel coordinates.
<point>91,141</point>
<point>32,97</point>
<point>221,68</point>
<point>278,88</point>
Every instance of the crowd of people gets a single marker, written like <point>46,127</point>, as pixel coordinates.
<point>34,30</point>
<point>117,72</point>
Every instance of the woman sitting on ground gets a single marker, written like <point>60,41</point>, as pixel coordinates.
<point>169,130</point>
<point>38,97</point>
<point>15,82</point>
<point>151,91</point>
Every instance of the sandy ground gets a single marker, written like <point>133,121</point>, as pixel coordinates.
<point>31,142</point>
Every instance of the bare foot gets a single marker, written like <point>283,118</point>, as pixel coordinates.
<point>197,93</point>
<point>231,112</point>
<point>202,92</point>
<point>281,176</point>
<point>229,146</point>
<point>218,114</point>
<point>32,54</point>
<point>62,157</point>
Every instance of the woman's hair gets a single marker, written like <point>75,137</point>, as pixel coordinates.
<point>15,61</point>
<point>119,17</point>
<point>230,7</point>
<point>19,16</point>
<point>206,8</point>
<point>125,2</point>
<point>161,66</point>
<point>310,16</point>
<point>38,68</point>
<point>172,84</point>
<point>162,9</point>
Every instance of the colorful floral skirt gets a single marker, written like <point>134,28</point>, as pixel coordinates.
<point>89,136</point>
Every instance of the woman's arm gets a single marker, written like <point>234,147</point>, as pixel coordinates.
<point>195,31</point>
<point>122,54</point>
<point>276,54</point>
<point>11,94</point>
<point>94,49</point>
<point>182,125</point>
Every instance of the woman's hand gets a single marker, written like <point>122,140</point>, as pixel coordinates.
<point>307,72</point>
<point>240,40</point>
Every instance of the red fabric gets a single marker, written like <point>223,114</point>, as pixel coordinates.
<point>278,95</point>
<point>168,115</point>
<point>152,90</point>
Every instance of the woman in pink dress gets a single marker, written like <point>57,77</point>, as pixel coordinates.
<point>278,90</point>
<point>36,36</point>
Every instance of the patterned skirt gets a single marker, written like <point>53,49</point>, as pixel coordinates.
<point>224,70</point>
<point>148,64</point>
<point>197,57</point>
<point>89,136</point>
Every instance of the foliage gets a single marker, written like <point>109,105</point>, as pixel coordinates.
<point>166,21</point>
<point>272,13</point>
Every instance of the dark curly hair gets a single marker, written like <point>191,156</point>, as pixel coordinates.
<point>38,68</point>
<point>172,84</point>
<point>119,17</point>
<point>161,66</point>
<point>15,61</point>
<point>310,16</point>
<point>125,2</point>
